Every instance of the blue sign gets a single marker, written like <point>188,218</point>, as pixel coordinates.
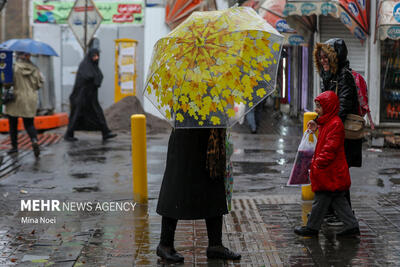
<point>396,12</point>
<point>354,9</point>
<point>327,8</point>
<point>307,8</point>
<point>296,40</point>
<point>394,32</point>
<point>359,33</point>
<point>361,3</point>
<point>6,62</point>
<point>282,26</point>
<point>344,17</point>
<point>289,8</point>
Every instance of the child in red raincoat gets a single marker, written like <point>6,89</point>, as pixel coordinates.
<point>329,173</point>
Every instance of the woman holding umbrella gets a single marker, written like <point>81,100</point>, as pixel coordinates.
<point>27,81</point>
<point>198,72</point>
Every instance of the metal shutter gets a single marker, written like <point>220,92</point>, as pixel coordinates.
<point>331,27</point>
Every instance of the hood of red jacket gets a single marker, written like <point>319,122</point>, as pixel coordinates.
<point>329,102</point>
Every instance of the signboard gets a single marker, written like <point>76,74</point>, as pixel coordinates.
<point>113,12</point>
<point>6,62</point>
<point>389,20</point>
<point>125,68</point>
<point>84,20</point>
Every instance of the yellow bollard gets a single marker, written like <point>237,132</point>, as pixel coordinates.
<point>306,193</point>
<point>139,158</point>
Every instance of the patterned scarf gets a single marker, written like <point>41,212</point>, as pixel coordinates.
<point>216,153</point>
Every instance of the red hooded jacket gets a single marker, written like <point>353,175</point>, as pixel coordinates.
<point>329,170</point>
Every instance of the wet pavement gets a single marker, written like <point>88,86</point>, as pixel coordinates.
<point>260,225</point>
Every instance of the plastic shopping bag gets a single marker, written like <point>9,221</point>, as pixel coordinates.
<point>301,166</point>
<point>239,112</point>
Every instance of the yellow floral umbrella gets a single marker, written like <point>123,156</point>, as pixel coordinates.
<point>210,62</point>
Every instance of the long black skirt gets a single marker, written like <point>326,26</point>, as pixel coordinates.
<point>187,191</point>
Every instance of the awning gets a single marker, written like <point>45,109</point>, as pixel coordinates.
<point>177,11</point>
<point>388,21</point>
<point>271,11</point>
<point>352,13</point>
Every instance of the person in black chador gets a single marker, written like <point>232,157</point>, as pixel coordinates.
<point>193,188</point>
<point>86,112</point>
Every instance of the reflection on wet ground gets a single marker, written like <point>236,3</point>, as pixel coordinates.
<point>260,225</point>
<point>254,167</point>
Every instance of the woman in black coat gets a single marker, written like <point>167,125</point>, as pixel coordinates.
<point>330,59</point>
<point>193,188</point>
<point>86,112</point>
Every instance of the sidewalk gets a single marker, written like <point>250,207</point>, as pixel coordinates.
<point>260,225</point>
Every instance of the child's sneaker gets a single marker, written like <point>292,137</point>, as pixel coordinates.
<point>334,221</point>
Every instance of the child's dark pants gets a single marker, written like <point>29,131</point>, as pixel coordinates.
<point>338,201</point>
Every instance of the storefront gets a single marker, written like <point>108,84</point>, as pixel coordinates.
<point>294,79</point>
<point>344,19</point>
<point>388,31</point>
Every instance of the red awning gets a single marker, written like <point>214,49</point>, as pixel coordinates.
<point>359,11</point>
<point>178,10</point>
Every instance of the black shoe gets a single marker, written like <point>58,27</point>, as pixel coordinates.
<point>109,136</point>
<point>351,231</point>
<point>70,138</point>
<point>305,231</point>
<point>169,254</point>
<point>13,150</point>
<point>221,252</point>
<point>36,149</point>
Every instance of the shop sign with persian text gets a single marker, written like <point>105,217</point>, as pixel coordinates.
<point>113,12</point>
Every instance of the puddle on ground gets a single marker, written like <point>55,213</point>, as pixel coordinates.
<point>395,180</point>
<point>254,167</point>
<point>86,188</point>
<point>389,171</point>
<point>81,175</point>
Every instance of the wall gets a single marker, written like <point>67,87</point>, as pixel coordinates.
<point>374,68</point>
<point>15,20</point>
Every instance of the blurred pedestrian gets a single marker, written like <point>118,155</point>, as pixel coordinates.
<point>86,112</point>
<point>253,117</point>
<point>329,173</point>
<point>193,188</point>
<point>27,81</point>
<point>330,59</point>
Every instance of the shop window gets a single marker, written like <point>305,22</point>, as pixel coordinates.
<point>390,81</point>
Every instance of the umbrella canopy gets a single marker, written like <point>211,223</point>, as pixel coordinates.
<point>210,62</point>
<point>28,46</point>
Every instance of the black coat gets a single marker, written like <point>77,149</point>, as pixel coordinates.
<point>187,191</point>
<point>86,112</point>
<point>343,80</point>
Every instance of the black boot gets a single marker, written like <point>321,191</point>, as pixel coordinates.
<point>69,138</point>
<point>221,252</point>
<point>169,254</point>
<point>109,135</point>
<point>13,150</point>
<point>36,149</point>
<point>305,231</point>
